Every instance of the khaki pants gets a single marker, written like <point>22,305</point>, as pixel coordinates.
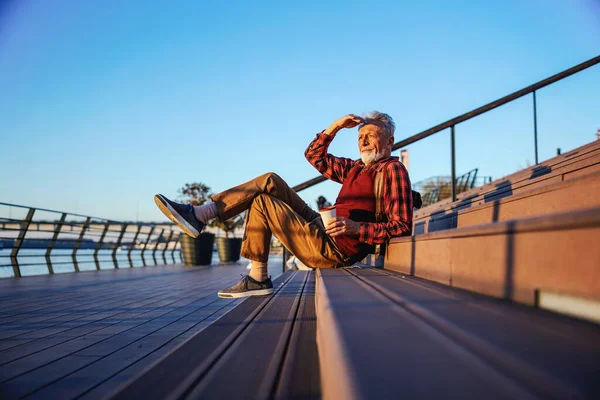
<point>275,209</point>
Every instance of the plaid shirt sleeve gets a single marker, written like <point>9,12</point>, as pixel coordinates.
<point>396,205</point>
<point>331,167</point>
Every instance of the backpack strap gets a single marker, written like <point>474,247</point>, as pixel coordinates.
<point>379,181</point>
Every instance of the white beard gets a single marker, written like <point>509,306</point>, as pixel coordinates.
<point>370,157</point>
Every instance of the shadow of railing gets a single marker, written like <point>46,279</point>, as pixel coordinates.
<point>448,219</point>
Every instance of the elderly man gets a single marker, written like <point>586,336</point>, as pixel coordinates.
<point>275,209</point>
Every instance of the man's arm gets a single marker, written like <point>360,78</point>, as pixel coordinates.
<point>334,168</point>
<point>397,207</point>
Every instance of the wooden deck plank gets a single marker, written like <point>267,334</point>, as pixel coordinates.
<point>111,334</point>
<point>90,304</point>
<point>25,384</point>
<point>58,301</point>
<point>61,311</point>
<point>76,287</point>
<point>44,285</point>
<point>161,321</point>
<point>18,301</point>
<point>10,343</point>
<point>370,347</point>
<point>102,324</point>
<point>254,359</point>
<point>68,286</point>
<point>541,355</point>
<point>133,329</point>
<point>140,301</point>
<point>33,317</point>
<point>532,318</point>
<point>198,354</point>
<point>23,365</point>
<point>109,386</point>
<point>300,372</point>
<point>128,355</point>
<point>23,296</point>
<point>88,377</point>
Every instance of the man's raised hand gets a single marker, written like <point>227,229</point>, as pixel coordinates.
<point>347,121</point>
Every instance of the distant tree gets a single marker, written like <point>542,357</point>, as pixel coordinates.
<point>196,193</point>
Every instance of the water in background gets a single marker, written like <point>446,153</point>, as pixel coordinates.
<point>33,261</point>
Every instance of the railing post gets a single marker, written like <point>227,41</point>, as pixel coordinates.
<point>86,225</point>
<point>156,246</point>
<point>99,245</point>
<point>535,139</point>
<point>19,242</point>
<point>118,244</point>
<point>453,154</point>
<point>283,253</point>
<point>146,244</point>
<point>167,246</point>
<point>137,233</point>
<point>53,242</point>
<point>174,249</point>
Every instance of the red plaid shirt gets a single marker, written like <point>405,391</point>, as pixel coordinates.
<point>396,204</point>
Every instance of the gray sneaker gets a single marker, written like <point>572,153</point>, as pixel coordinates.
<point>247,287</point>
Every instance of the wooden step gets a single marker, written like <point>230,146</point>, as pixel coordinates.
<point>514,259</point>
<point>387,335</point>
<point>576,163</point>
<point>574,194</point>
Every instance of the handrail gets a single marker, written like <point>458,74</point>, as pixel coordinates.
<point>53,211</point>
<point>497,103</point>
<point>147,223</point>
<point>97,228</point>
<point>474,113</point>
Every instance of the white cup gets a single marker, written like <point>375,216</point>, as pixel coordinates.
<point>327,214</point>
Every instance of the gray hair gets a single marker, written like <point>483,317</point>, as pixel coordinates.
<point>382,119</point>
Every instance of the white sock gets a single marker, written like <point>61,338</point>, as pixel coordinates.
<point>259,271</point>
<point>205,212</point>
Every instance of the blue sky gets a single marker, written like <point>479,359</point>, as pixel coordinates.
<point>103,104</point>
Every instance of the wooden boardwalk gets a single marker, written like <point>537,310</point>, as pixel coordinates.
<point>162,333</point>
<point>263,349</point>
<point>85,334</point>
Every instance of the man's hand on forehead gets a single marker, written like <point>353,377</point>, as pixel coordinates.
<point>349,121</point>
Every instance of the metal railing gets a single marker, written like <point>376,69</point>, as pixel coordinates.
<point>438,188</point>
<point>74,242</point>
<point>474,113</point>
